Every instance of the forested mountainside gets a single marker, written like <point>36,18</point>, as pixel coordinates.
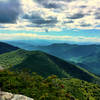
<point>44,64</point>
<point>86,56</point>
<point>50,88</point>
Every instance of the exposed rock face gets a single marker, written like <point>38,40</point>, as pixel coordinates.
<point>10,96</point>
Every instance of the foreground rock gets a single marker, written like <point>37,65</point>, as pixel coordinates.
<point>1,68</point>
<point>10,96</point>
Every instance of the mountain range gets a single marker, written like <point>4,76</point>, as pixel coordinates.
<point>55,79</point>
<point>44,64</point>
<point>86,56</point>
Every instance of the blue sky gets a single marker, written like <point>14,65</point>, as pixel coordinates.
<point>58,20</point>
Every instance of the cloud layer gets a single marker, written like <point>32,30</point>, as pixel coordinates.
<point>51,15</point>
<point>31,36</point>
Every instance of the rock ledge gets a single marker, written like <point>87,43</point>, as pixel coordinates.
<point>10,96</point>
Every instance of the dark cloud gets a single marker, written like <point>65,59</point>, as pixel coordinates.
<point>1,26</point>
<point>68,0</point>
<point>83,6</point>
<point>85,25</point>
<point>76,16</point>
<point>97,17</point>
<point>42,1</point>
<point>9,11</point>
<point>39,21</point>
<point>97,14</point>
<point>68,22</point>
<point>51,5</point>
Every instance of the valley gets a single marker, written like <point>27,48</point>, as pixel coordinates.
<point>86,56</point>
<point>41,70</point>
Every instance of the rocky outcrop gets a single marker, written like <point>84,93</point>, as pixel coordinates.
<point>10,96</point>
<point>1,68</point>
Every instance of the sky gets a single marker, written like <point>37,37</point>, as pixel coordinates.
<point>74,21</point>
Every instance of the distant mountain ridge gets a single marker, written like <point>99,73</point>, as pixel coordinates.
<point>86,56</point>
<point>4,47</point>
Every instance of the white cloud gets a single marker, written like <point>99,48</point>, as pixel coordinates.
<point>80,14</point>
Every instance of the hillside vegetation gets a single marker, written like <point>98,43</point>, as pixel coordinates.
<point>50,88</point>
<point>84,55</point>
<point>44,64</point>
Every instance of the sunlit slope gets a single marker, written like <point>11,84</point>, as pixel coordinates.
<point>44,64</point>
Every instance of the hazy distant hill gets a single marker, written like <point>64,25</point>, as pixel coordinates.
<point>69,51</point>
<point>93,62</point>
<point>4,47</point>
<point>44,64</point>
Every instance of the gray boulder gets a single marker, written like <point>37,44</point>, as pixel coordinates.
<point>1,68</point>
<point>10,96</point>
